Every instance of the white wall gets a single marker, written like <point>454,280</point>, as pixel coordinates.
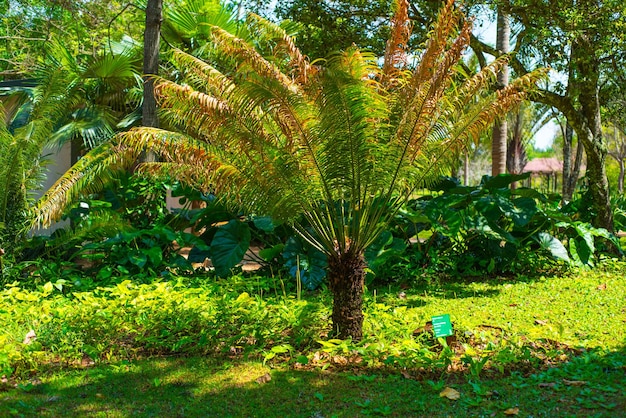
<point>60,162</point>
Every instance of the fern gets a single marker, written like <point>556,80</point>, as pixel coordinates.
<point>342,142</point>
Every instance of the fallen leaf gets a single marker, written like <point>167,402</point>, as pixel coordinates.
<point>547,385</point>
<point>99,396</point>
<point>406,375</point>
<point>602,286</point>
<point>30,337</point>
<point>264,379</point>
<point>450,393</point>
<point>493,393</point>
<point>340,360</point>
<point>540,322</point>
<point>574,382</point>
<point>512,305</point>
<point>511,411</point>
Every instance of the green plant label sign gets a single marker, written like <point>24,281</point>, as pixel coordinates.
<point>442,325</point>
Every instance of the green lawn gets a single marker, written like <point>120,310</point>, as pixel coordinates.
<point>546,346</point>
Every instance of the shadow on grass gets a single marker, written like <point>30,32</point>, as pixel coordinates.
<point>589,385</point>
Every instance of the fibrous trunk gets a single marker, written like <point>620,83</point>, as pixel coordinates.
<point>346,274</point>
<point>151,60</point>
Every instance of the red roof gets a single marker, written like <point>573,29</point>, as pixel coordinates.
<point>544,165</point>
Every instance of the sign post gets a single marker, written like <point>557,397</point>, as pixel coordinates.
<point>442,325</point>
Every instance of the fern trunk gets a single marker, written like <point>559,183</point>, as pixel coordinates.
<point>346,274</point>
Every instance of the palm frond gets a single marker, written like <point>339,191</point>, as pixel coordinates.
<point>201,75</point>
<point>89,175</point>
<point>337,142</point>
<point>301,69</point>
<point>252,63</point>
<point>395,59</point>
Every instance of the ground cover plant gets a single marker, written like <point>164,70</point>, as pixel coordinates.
<point>236,343</point>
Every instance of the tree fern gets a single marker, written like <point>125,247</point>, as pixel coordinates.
<point>339,141</point>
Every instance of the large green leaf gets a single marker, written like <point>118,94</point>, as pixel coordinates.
<point>270,253</point>
<point>309,261</point>
<point>264,223</point>
<point>382,249</point>
<point>585,232</point>
<point>553,245</point>
<point>229,244</point>
<point>503,180</point>
<point>524,210</point>
<point>581,253</point>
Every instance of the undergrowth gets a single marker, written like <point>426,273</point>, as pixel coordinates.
<point>500,325</point>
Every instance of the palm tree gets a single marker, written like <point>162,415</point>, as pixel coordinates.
<point>105,90</point>
<point>340,143</point>
<point>22,140</point>
<point>499,134</point>
<point>74,100</point>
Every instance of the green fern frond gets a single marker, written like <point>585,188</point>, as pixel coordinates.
<point>89,175</point>
<point>253,63</point>
<point>284,43</point>
<point>200,75</point>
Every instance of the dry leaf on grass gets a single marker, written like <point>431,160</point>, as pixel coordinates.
<point>540,322</point>
<point>511,411</point>
<point>450,393</point>
<point>264,379</point>
<point>602,286</point>
<point>547,385</point>
<point>574,382</point>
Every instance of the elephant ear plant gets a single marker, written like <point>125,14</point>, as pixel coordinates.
<point>341,142</point>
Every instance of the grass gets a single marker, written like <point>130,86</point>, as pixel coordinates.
<point>202,387</point>
<point>545,346</point>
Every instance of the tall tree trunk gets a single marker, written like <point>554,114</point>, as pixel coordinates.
<point>620,179</point>
<point>571,164</point>
<point>515,151</point>
<point>466,168</point>
<point>591,135</point>
<point>567,161</point>
<point>499,135</point>
<point>570,178</point>
<point>598,182</point>
<point>151,41</point>
<point>346,275</point>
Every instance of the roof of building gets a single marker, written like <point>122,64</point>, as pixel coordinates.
<point>544,165</point>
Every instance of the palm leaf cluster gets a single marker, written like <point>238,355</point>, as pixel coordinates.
<point>340,140</point>
<point>333,146</point>
<point>22,140</point>
<point>73,99</point>
<point>104,89</point>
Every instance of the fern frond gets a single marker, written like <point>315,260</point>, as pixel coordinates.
<point>396,51</point>
<point>284,43</point>
<point>248,56</point>
<point>202,75</point>
<point>89,175</point>
<point>447,20</point>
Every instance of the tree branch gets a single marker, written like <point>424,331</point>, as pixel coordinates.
<point>563,104</point>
